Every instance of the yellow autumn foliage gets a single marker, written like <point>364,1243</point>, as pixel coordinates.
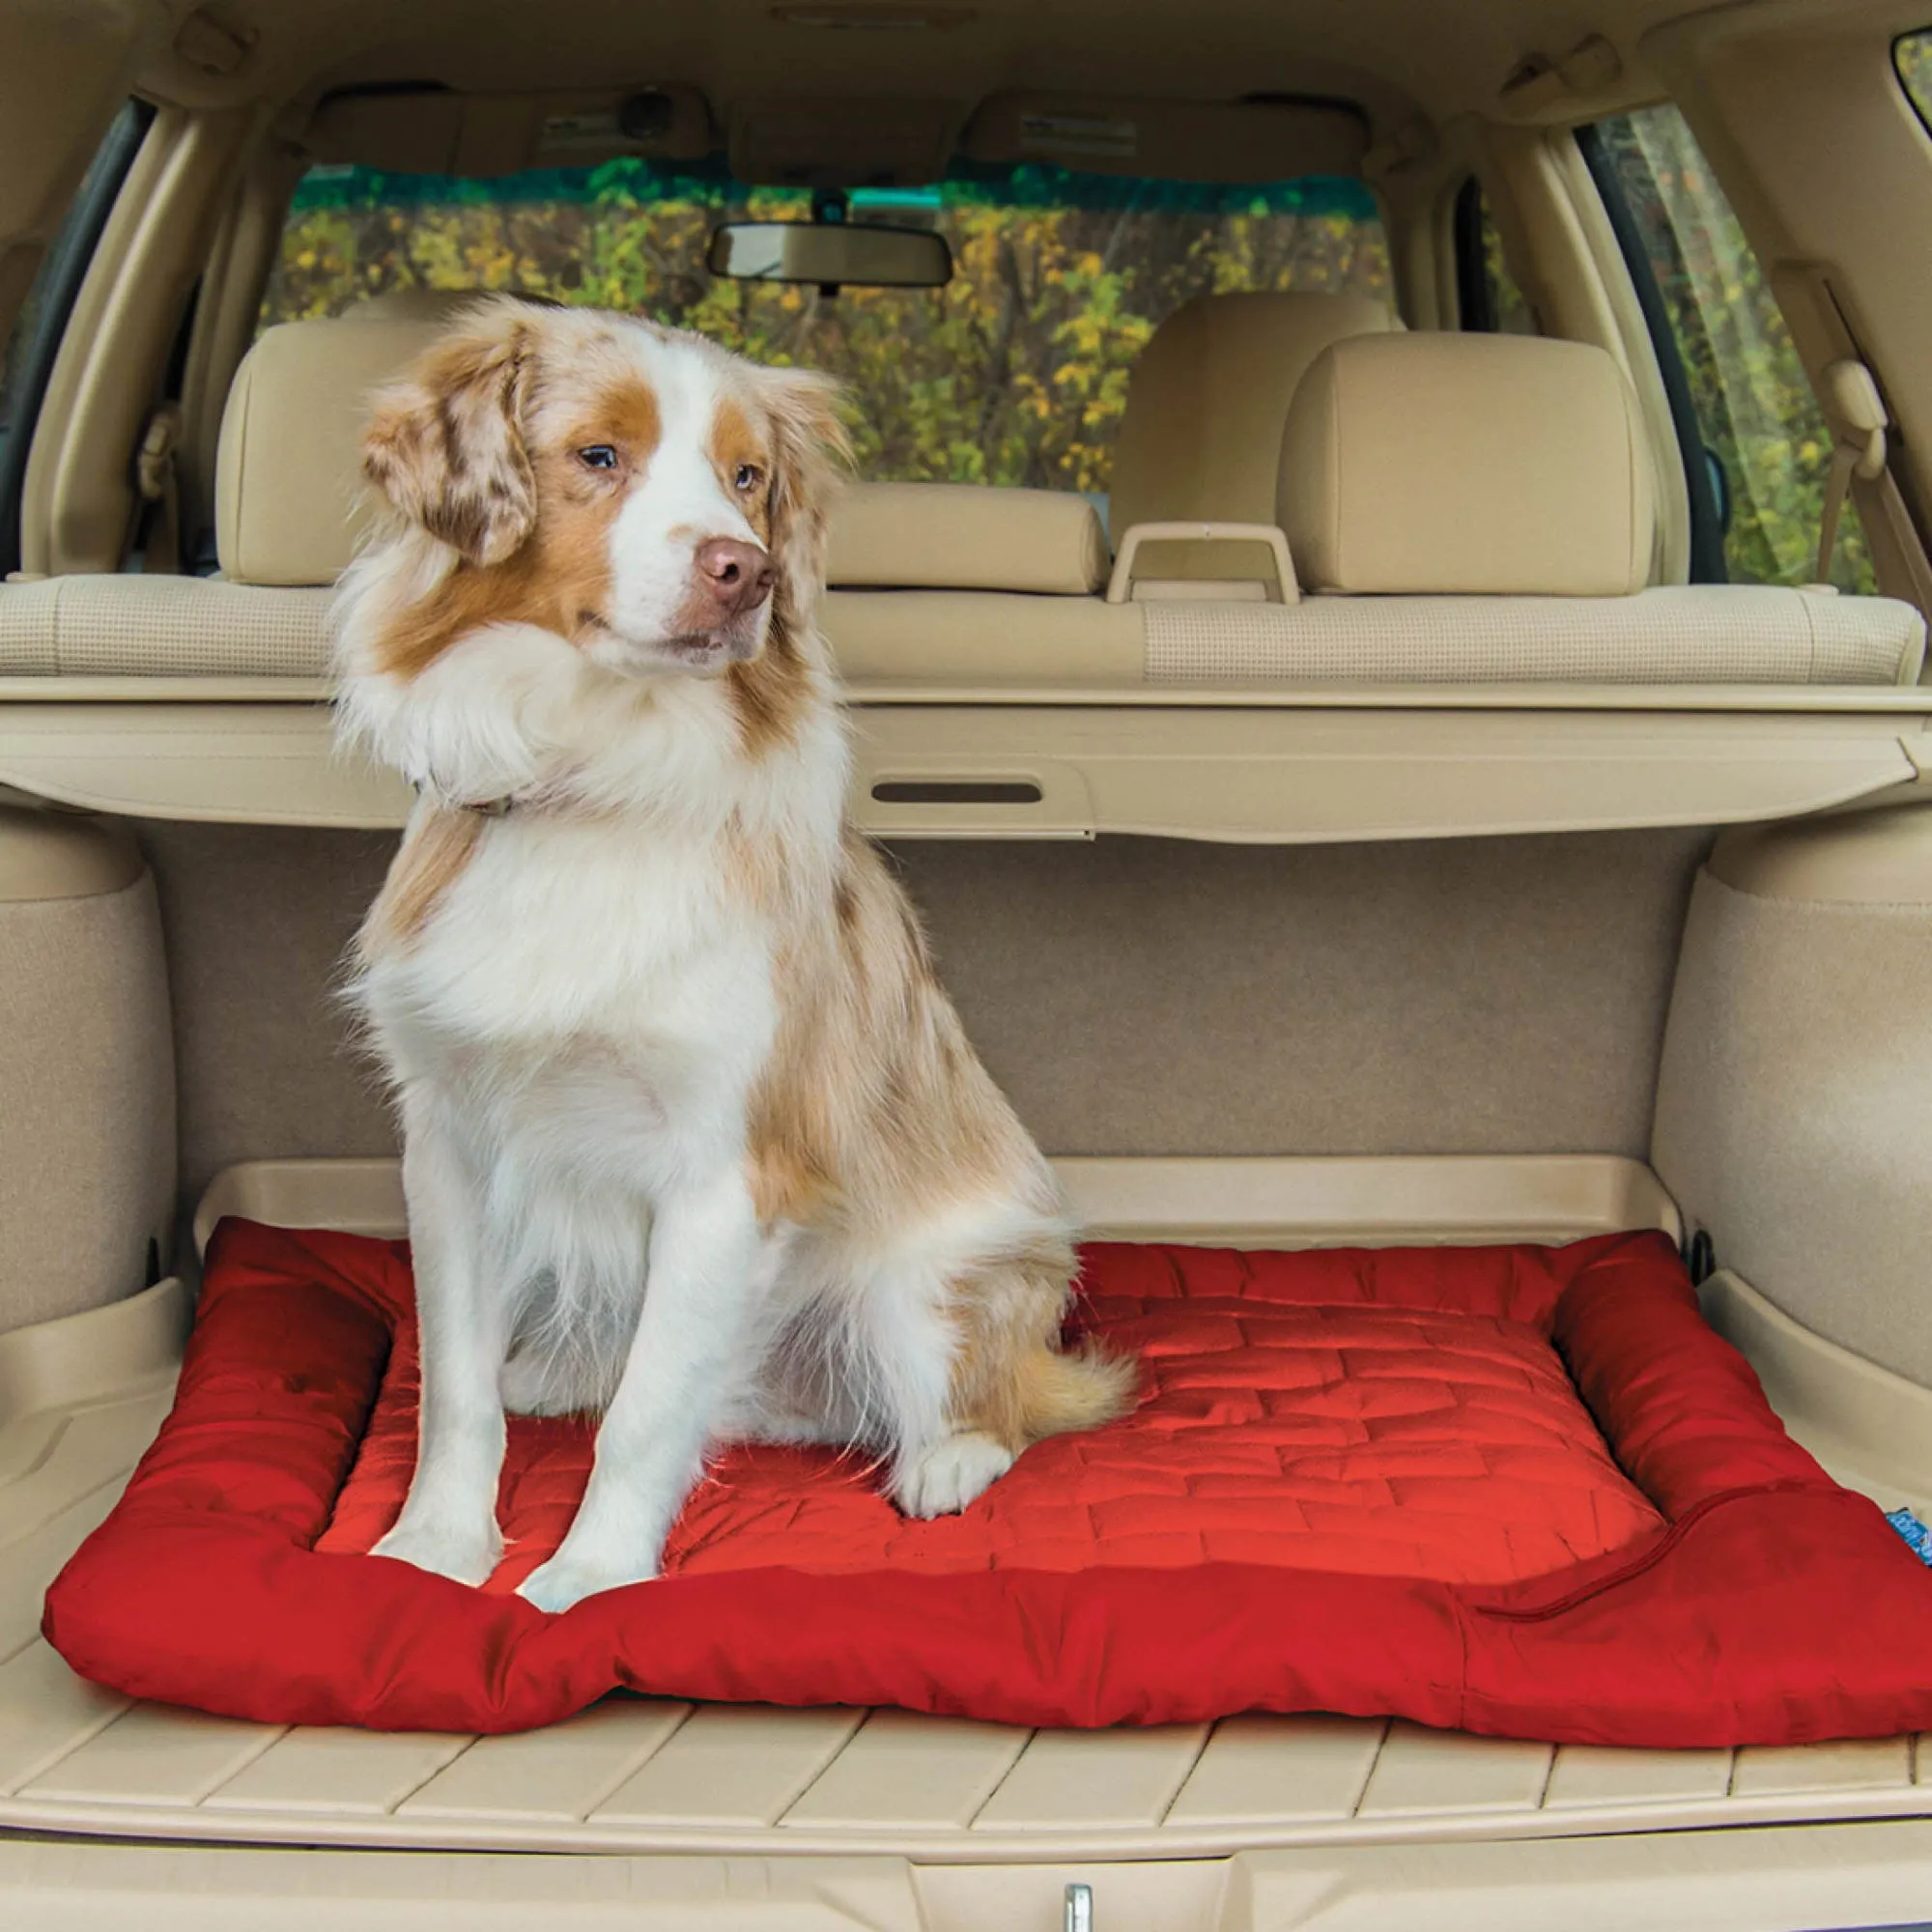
<point>1016,372</point>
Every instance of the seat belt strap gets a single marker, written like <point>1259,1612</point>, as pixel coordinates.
<point>157,479</point>
<point>1855,413</point>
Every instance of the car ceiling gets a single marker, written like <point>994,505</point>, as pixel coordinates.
<point>1393,57</point>
<point>1449,55</point>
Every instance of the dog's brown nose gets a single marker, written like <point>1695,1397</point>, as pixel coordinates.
<point>737,577</point>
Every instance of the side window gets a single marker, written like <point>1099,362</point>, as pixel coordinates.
<point>35,339</point>
<point>1487,294</point>
<point>1765,448</point>
<point>1911,55</point>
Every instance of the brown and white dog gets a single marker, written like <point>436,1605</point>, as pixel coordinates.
<point>692,1135</point>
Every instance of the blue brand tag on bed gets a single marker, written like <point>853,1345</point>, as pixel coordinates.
<point>1914,1532</point>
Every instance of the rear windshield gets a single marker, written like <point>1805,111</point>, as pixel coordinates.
<point>1015,373</point>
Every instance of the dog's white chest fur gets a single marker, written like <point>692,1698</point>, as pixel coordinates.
<point>602,1002</point>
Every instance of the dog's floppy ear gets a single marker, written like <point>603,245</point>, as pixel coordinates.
<point>810,452</point>
<point>445,445</point>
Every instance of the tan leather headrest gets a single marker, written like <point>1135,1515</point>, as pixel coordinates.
<point>289,503</point>
<point>288,472</point>
<point>1468,465</point>
<point>1201,435</point>
<point>965,536</point>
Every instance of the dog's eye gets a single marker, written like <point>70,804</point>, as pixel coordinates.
<point>597,456</point>
<point>748,476</point>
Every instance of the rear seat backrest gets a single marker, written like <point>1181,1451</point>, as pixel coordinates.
<point>288,480</point>
<point>1476,509</point>
<point>1466,466</point>
<point>1201,435</point>
<point>1488,487</point>
<point>1472,509</point>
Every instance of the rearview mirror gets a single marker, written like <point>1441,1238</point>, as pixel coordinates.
<point>831,253</point>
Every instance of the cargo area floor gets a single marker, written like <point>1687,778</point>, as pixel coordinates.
<point>80,1399</point>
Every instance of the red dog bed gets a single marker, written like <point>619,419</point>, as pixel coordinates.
<point>1523,1491</point>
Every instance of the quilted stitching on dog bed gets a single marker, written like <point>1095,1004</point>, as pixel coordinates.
<point>1413,1442</point>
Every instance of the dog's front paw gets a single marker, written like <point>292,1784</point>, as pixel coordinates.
<point>466,1557</point>
<point>945,1476</point>
<point>565,1580</point>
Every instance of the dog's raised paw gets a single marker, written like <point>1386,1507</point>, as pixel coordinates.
<point>463,1556</point>
<point>561,1582</point>
<point>945,1476</point>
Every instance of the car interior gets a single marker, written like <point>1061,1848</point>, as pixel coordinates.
<point>1383,604</point>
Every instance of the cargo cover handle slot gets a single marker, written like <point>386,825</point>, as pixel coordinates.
<point>950,800</point>
<point>957,791</point>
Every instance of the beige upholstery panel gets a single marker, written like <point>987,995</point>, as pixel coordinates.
<point>258,922</point>
<point>87,1096</point>
<point>1134,996</point>
<point>1470,465</point>
<point>161,626</point>
<point>987,638</point>
<point>30,628</point>
<point>61,855</point>
<point>189,627</point>
<point>1794,1112</point>
<point>966,536</point>
<point>1704,633</point>
<point>1863,858</point>
<point>288,471</point>
<point>202,627</point>
<point>1201,435</point>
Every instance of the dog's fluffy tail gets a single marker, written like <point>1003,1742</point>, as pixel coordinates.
<point>1076,1388</point>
